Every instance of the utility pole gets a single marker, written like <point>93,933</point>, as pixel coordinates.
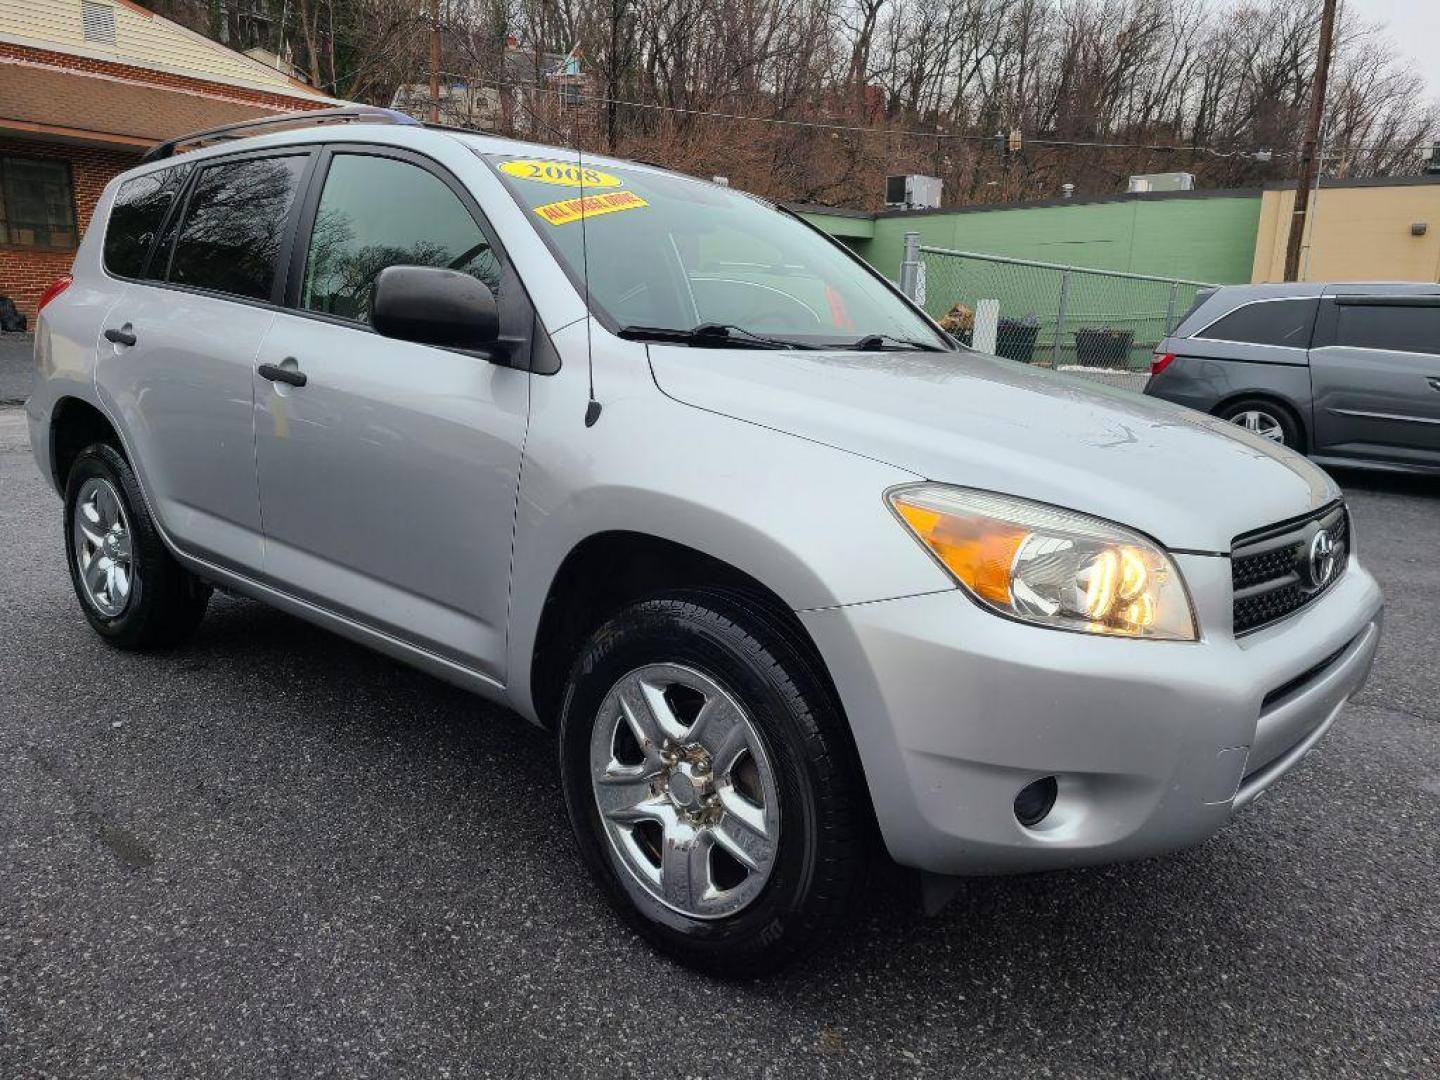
<point>1313,216</point>
<point>1312,135</point>
<point>435,61</point>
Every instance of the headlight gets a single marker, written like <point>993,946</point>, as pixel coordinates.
<point>1049,566</point>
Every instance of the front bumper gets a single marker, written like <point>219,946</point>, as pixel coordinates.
<point>1154,744</point>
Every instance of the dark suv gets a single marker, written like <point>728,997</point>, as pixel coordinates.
<point>1346,373</point>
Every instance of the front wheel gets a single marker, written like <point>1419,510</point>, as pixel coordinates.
<point>711,783</point>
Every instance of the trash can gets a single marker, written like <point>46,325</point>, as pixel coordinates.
<point>1015,338</point>
<point>1097,346</point>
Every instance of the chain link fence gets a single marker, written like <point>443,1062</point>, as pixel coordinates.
<point>1096,322</point>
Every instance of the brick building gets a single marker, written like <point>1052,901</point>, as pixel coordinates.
<point>86,86</point>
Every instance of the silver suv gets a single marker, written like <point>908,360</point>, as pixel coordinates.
<point>667,471</point>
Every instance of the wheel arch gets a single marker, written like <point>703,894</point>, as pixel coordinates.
<point>75,424</point>
<point>609,570</point>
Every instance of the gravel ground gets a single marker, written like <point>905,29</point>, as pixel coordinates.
<point>272,853</point>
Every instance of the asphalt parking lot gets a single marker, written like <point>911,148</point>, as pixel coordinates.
<point>272,853</point>
<point>16,366</point>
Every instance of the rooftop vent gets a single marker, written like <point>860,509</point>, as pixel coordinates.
<point>1163,181</point>
<point>99,22</point>
<point>913,192</point>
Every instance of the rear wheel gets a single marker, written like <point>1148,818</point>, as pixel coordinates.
<point>711,784</point>
<point>1267,419</point>
<point>131,589</point>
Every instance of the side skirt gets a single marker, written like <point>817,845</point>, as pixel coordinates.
<point>439,666</point>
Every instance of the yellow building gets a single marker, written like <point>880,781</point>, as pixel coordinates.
<point>1359,230</point>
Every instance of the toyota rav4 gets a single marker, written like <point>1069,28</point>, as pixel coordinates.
<point>789,573</point>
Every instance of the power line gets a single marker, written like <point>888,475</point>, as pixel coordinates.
<point>568,97</point>
<point>777,120</point>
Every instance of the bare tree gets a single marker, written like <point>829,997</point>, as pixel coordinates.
<point>820,99</point>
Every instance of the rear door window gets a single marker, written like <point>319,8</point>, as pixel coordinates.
<point>1283,323</point>
<point>1396,327</point>
<point>235,224</point>
<point>136,217</point>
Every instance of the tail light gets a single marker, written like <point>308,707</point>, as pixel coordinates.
<point>1160,361</point>
<point>56,287</point>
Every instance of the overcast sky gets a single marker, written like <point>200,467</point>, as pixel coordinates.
<point>1415,28</point>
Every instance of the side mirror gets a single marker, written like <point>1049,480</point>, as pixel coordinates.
<point>434,306</point>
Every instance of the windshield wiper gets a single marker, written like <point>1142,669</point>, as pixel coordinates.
<point>878,342</point>
<point>710,335</point>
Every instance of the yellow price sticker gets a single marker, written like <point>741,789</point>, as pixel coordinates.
<point>559,172</point>
<point>568,210</point>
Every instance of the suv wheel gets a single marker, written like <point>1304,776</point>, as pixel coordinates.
<point>1265,419</point>
<point>711,783</point>
<point>133,592</point>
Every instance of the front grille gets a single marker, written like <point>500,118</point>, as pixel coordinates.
<point>1273,572</point>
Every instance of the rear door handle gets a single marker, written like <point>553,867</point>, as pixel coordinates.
<point>122,336</point>
<point>276,373</point>
<point>1434,382</point>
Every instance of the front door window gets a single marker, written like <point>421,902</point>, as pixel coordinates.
<point>377,212</point>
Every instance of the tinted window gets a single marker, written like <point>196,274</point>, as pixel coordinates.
<point>1269,322</point>
<point>376,212</point>
<point>1389,326</point>
<point>234,222</point>
<point>135,219</point>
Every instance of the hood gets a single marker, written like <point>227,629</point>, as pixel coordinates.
<point>1191,481</point>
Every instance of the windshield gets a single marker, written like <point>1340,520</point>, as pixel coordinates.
<point>670,253</point>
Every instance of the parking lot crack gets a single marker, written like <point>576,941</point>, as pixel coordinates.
<point>127,848</point>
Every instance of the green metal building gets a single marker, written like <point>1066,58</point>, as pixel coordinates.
<point>1198,235</point>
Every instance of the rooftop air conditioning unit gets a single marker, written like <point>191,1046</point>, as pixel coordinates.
<point>913,192</point>
<point>1164,181</point>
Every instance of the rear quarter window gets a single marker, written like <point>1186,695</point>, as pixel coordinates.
<point>1283,323</point>
<point>136,217</point>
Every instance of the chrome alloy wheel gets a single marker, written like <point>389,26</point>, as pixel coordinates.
<point>1261,423</point>
<point>685,790</point>
<point>103,553</point>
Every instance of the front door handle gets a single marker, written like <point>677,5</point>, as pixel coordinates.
<point>276,373</point>
<point>1434,382</point>
<point>122,336</point>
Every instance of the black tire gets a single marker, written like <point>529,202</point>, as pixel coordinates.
<point>166,603</point>
<point>825,824</point>
<point>1293,435</point>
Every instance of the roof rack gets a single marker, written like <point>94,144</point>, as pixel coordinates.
<point>364,114</point>
<point>459,129</point>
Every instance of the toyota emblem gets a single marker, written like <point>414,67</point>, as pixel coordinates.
<point>1322,559</point>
